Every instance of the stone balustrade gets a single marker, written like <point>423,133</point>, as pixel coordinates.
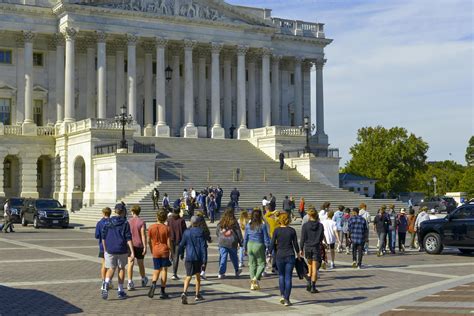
<point>291,131</point>
<point>12,130</point>
<point>299,28</point>
<point>46,131</point>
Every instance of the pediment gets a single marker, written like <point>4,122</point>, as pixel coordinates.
<point>210,10</point>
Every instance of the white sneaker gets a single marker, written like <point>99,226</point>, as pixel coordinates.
<point>331,265</point>
<point>130,286</point>
<point>203,275</point>
<point>264,274</point>
<point>221,276</point>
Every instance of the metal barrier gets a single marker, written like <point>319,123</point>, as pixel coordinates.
<point>105,149</point>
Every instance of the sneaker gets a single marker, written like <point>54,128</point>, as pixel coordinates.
<point>174,277</point>
<point>111,286</point>
<point>105,294</point>
<point>347,251</point>
<point>203,275</point>
<point>331,265</point>
<point>184,299</point>
<point>144,282</point>
<point>241,265</point>
<point>314,290</point>
<point>121,295</point>
<point>323,265</point>
<point>308,286</point>
<point>164,296</point>
<point>264,274</point>
<point>238,272</point>
<point>151,292</point>
<point>102,287</point>
<point>257,285</point>
<point>221,276</point>
<point>366,253</point>
<point>131,286</point>
<point>199,298</point>
<point>379,254</point>
<point>252,285</point>
<point>359,267</point>
<point>287,303</point>
<point>354,264</point>
<point>282,300</point>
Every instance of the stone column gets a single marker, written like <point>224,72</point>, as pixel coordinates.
<point>132,75</point>
<point>266,92</point>
<point>162,129</point>
<point>298,92</point>
<point>276,101</point>
<point>242,131</point>
<point>320,134</point>
<point>176,83</point>
<point>148,47</point>
<point>227,92</point>
<point>59,40</point>
<point>29,126</point>
<point>119,75</point>
<point>217,130</point>
<point>202,103</point>
<point>28,175</point>
<point>69,90</point>
<point>189,130</point>
<point>252,99</point>
<point>91,73</point>
<point>101,76</point>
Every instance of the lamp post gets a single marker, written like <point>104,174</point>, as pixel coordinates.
<point>123,119</point>
<point>306,128</point>
<point>434,184</point>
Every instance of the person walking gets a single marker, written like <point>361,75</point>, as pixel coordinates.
<point>285,244</point>
<point>219,194</point>
<point>229,237</point>
<point>286,206</point>
<point>256,243</point>
<point>116,237</point>
<point>265,202</point>
<point>365,215</point>
<point>155,197</point>
<point>301,208</point>
<point>411,227</point>
<point>330,233</point>
<point>271,218</point>
<point>7,213</point>
<point>272,202</point>
<point>422,216</point>
<point>194,245</point>
<point>98,235</point>
<point>234,197</point>
<point>402,226</point>
<point>345,228</point>
<point>207,237</point>
<point>323,213</point>
<point>160,244</point>
<point>281,157</point>
<point>212,208</point>
<point>177,227</point>
<point>244,218</point>
<point>337,218</point>
<point>138,229</point>
<point>381,226</point>
<point>358,233</point>
<point>312,237</point>
<point>392,229</point>
<point>166,202</point>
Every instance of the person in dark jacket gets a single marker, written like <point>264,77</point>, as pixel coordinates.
<point>234,197</point>
<point>381,227</point>
<point>312,235</point>
<point>402,225</point>
<point>116,237</point>
<point>98,235</point>
<point>272,202</point>
<point>281,157</point>
<point>177,227</point>
<point>287,205</point>
<point>194,245</point>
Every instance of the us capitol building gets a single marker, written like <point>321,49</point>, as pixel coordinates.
<point>176,68</point>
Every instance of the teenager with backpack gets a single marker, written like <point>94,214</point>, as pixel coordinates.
<point>138,229</point>
<point>229,238</point>
<point>402,226</point>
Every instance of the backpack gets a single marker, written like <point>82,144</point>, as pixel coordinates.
<point>166,203</point>
<point>115,238</point>
<point>227,238</point>
<point>345,225</point>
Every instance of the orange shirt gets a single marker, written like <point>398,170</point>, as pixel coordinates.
<point>158,235</point>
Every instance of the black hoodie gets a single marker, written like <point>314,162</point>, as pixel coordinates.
<point>312,234</point>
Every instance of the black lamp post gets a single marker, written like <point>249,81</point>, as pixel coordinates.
<point>306,128</point>
<point>123,119</point>
<point>168,73</point>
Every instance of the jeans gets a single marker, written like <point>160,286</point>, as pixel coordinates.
<point>401,240</point>
<point>357,253</point>
<point>413,239</point>
<point>241,255</point>
<point>223,252</point>
<point>175,256</point>
<point>382,238</point>
<point>285,270</point>
<point>392,240</point>
<point>212,215</point>
<point>256,252</point>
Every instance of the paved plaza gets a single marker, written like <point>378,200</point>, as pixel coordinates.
<point>55,271</point>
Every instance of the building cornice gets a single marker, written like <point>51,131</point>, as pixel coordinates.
<point>17,8</point>
<point>311,40</point>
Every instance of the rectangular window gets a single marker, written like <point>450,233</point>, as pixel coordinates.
<point>5,56</point>
<point>246,75</point>
<point>5,111</point>
<point>38,59</point>
<point>292,79</point>
<point>207,72</point>
<point>125,66</point>
<point>181,70</point>
<point>154,68</point>
<point>38,112</point>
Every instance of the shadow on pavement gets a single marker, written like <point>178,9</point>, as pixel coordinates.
<point>331,301</point>
<point>350,277</point>
<point>26,301</point>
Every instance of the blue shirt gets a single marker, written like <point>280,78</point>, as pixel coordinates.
<point>338,219</point>
<point>259,235</point>
<point>194,244</point>
<point>98,231</point>
<point>357,229</point>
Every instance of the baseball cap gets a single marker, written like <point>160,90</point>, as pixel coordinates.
<point>120,207</point>
<point>196,219</point>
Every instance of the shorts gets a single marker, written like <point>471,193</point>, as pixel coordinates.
<point>101,254</point>
<point>138,253</point>
<point>332,246</point>
<point>113,261</point>
<point>159,263</point>
<point>313,253</point>
<point>192,267</point>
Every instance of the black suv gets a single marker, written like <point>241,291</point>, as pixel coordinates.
<point>16,205</point>
<point>44,212</point>
<point>455,230</point>
<point>440,204</point>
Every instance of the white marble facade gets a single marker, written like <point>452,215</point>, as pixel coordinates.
<point>231,65</point>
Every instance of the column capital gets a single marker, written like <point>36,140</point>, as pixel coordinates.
<point>307,64</point>
<point>161,42</point>
<point>132,39</point>
<point>56,40</point>
<point>266,52</point>
<point>189,44</point>
<point>81,46</point>
<point>216,47</point>
<point>119,45</point>
<point>242,50</point>
<point>319,63</point>
<point>69,33</point>
<point>28,36</point>
<point>148,47</point>
<point>202,52</point>
<point>101,36</point>
<point>299,60</point>
<point>252,57</point>
<point>276,59</point>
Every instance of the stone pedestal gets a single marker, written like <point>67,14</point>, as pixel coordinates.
<point>217,132</point>
<point>2,129</point>
<point>137,130</point>
<point>243,133</point>
<point>162,131</point>
<point>189,132</point>
<point>322,139</point>
<point>122,150</point>
<point>29,129</point>
<point>148,131</point>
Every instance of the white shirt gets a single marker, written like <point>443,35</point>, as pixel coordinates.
<point>193,194</point>
<point>264,202</point>
<point>323,215</point>
<point>329,228</point>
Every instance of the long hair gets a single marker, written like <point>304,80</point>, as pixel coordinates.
<point>257,219</point>
<point>228,219</point>
<point>243,219</point>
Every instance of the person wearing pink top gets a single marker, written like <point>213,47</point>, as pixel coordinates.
<point>137,228</point>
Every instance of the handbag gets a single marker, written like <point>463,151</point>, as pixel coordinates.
<point>301,268</point>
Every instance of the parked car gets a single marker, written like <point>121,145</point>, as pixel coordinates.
<point>44,212</point>
<point>455,230</point>
<point>440,204</point>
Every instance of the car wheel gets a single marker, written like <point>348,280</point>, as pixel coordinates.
<point>466,251</point>
<point>65,226</point>
<point>432,243</point>
<point>35,222</point>
<point>23,221</point>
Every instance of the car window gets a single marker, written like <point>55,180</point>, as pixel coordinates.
<point>16,202</point>
<point>465,213</point>
<point>47,204</point>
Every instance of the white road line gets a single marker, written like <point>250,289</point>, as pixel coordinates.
<point>16,248</point>
<point>54,239</point>
<point>51,282</point>
<point>438,275</point>
<point>78,247</point>
<point>38,260</point>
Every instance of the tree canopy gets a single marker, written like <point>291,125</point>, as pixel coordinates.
<point>470,152</point>
<point>390,155</point>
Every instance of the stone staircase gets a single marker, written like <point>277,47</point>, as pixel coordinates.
<point>198,163</point>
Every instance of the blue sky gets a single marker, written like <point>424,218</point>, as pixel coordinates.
<point>402,63</point>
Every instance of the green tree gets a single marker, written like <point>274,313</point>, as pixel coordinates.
<point>467,182</point>
<point>470,152</point>
<point>390,155</point>
<point>448,174</point>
